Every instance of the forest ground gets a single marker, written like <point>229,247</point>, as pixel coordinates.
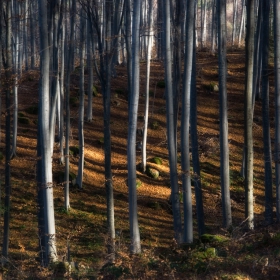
<point>233,254</point>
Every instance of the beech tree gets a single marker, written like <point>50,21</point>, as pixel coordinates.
<point>45,127</point>
<point>171,139</point>
<point>248,114</point>
<point>7,87</point>
<point>276,16</point>
<point>135,246</point>
<point>185,124</point>
<point>224,150</point>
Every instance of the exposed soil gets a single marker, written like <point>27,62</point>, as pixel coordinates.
<point>236,254</point>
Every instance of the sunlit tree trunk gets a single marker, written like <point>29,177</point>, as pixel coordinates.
<point>8,77</point>
<point>185,124</point>
<point>44,127</point>
<point>148,61</point>
<point>135,246</point>
<point>248,115</point>
<point>241,28</point>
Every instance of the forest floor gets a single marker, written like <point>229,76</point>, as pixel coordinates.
<point>232,254</point>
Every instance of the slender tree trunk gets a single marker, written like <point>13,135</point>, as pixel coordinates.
<point>194,141</point>
<point>241,23</point>
<point>224,158</point>
<point>148,61</point>
<point>265,114</point>
<point>81,103</point>
<point>8,77</point>
<point>44,119</point>
<point>248,115</point>
<point>135,246</point>
<point>175,197</point>
<point>90,51</point>
<point>276,12</point>
<point>185,124</point>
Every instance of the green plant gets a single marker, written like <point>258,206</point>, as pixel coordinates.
<point>157,160</point>
<point>155,125</point>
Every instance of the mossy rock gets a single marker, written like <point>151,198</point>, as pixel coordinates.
<point>212,87</point>
<point>23,120</point>
<point>210,238</point>
<point>152,172</point>
<point>33,110</point>
<point>161,84</point>
<point>74,150</point>
<point>157,160</point>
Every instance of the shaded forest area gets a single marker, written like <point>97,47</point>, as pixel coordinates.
<point>228,254</point>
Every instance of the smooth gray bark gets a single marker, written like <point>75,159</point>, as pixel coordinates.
<point>147,89</point>
<point>276,14</point>
<point>185,124</point>
<point>224,149</point>
<point>175,196</point>
<point>265,114</point>
<point>50,254</point>
<point>248,115</point>
<point>7,86</point>
<point>81,102</point>
<point>135,246</point>
<point>195,152</point>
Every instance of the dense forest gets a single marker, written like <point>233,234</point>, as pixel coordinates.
<point>140,139</point>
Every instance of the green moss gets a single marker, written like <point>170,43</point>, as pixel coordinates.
<point>157,160</point>
<point>94,91</point>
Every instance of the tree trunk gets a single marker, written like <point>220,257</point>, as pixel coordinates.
<point>224,157</point>
<point>135,246</point>
<point>265,114</point>
<point>185,124</point>
<point>81,102</point>
<point>147,89</point>
<point>276,12</point>
<point>46,153</point>
<point>175,197</point>
<point>248,115</point>
<point>8,76</point>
